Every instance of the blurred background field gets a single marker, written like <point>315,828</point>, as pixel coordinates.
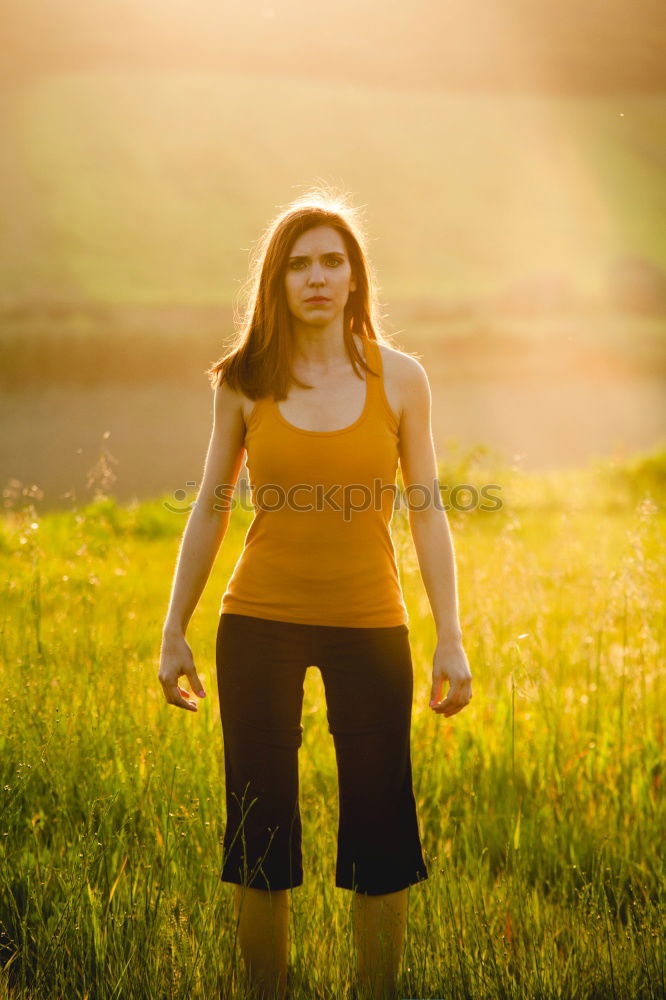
<point>516,233</point>
<point>147,187</point>
<point>541,805</point>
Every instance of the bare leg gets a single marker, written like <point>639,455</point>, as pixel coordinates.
<point>263,932</point>
<point>379,930</point>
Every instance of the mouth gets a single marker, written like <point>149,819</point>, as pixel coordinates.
<point>318,298</point>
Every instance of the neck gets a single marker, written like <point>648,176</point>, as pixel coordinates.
<point>319,347</point>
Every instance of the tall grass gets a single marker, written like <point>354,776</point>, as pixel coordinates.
<point>541,804</point>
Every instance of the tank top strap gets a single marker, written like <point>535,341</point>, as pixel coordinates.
<point>260,411</point>
<point>373,358</point>
<point>377,399</point>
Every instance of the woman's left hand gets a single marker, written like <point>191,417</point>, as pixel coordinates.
<point>450,661</point>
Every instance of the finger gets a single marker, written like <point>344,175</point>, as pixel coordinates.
<point>187,697</point>
<point>174,695</point>
<point>436,690</point>
<point>195,683</point>
<point>451,709</point>
<point>182,703</point>
<point>454,702</point>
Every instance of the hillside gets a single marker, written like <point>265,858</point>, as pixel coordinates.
<point>150,187</point>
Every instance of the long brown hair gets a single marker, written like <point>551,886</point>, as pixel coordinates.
<point>259,362</point>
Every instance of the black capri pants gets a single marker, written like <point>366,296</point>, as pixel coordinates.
<point>368,681</point>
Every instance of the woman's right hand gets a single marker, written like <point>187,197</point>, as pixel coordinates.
<point>176,660</point>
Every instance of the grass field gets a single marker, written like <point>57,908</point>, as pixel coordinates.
<point>541,804</point>
<point>142,187</point>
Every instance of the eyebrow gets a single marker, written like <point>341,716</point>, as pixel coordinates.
<point>328,253</point>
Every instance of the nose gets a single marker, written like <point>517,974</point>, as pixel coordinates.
<point>316,275</point>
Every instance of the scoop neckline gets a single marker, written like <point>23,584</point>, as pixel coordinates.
<point>341,430</point>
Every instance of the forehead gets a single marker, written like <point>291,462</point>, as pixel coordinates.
<point>321,239</point>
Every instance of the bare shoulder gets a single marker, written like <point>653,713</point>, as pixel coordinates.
<point>404,378</point>
<point>401,366</point>
<point>231,406</point>
<point>232,403</point>
<point>226,398</point>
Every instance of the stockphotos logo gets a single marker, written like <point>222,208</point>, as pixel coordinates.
<point>347,498</point>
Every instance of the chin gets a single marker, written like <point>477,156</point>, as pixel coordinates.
<point>323,318</point>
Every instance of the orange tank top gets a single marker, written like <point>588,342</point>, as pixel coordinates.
<point>319,549</point>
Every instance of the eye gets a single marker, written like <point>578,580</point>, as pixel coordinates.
<point>296,265</point>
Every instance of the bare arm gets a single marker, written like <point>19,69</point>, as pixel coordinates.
<point>432,539</point>
<point>203,535</point>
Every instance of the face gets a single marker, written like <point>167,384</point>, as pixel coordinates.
<point>318,267</point>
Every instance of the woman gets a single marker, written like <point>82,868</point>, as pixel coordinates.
<point>325,410</point>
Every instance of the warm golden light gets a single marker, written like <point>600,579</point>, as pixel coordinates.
<point>504,166</point>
